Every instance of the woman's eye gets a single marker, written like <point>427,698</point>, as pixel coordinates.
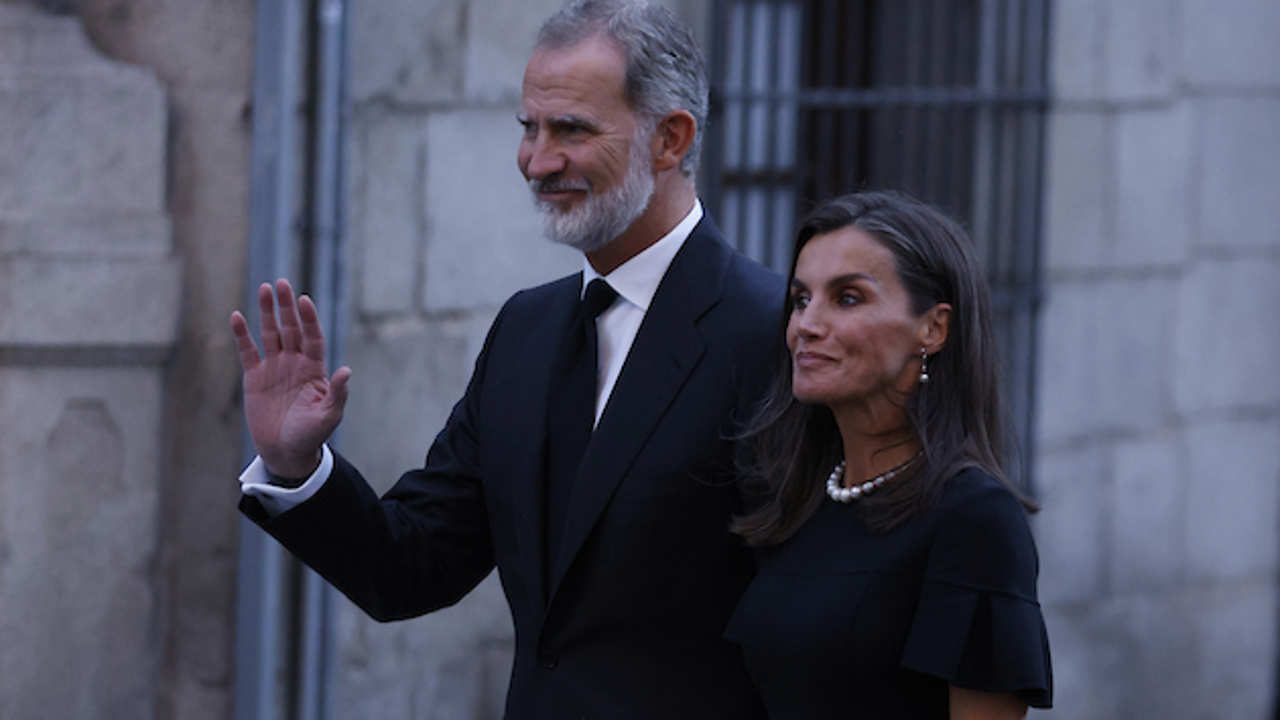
<point>848,299</point>
<point>799,302</point>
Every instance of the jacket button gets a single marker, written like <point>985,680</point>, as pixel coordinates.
<point>550,662</point>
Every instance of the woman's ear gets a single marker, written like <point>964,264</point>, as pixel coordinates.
<point>672,138</point>
<point>934,326</point>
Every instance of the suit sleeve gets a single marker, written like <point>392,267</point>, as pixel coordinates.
<point>422,546</point>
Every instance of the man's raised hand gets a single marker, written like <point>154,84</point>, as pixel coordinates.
<point>291,404</point>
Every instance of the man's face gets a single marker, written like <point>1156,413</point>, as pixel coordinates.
<point>584,152</point>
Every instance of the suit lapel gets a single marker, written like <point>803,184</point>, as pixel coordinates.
<point>527,459</point>
<point>667,348</point>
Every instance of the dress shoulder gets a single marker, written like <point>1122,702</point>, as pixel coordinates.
<point>978,624</point>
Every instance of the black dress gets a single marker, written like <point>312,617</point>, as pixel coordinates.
<point>841,622</point>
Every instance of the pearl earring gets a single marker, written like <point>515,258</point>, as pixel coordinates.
<point>924,367</point>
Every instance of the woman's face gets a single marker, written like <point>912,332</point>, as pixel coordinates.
<point>852,335</point>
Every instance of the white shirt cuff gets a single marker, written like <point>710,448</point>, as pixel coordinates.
<point>256,481</point>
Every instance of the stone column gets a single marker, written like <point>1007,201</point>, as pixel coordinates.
<point>89,297</point>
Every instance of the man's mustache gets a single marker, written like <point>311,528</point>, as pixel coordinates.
<point>558,184</point>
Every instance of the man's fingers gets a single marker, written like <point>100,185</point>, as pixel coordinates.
<point>290,330</point>
<point>270,331</point>
<point>248,351</point>
<point>312,333</point>
<point>338,387</point>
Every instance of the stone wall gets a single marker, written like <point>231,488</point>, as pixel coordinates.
<point>89,298</point>
<point>1159,409</point>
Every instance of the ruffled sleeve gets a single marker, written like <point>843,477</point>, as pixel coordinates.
<point>978,624</point>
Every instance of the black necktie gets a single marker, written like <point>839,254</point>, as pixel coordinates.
<point>571,411</point>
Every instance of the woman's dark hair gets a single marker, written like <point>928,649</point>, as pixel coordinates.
<point>957,415</point>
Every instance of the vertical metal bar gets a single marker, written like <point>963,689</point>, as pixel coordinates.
<point>712,167</point>
<point>744,127</point>
<point>272,167</point>
<point>769,155</point>
<point>315,651</point>
<point>826,119</point>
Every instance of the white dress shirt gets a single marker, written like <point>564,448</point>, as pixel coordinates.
<point>636,282</point>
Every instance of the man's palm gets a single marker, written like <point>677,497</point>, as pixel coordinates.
<point>290,403</point>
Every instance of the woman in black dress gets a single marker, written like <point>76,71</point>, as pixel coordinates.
<point>897,573</point>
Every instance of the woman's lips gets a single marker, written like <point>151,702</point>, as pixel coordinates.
<point>808,359</point>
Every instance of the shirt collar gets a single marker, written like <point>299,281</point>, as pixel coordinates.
<point>637,279</point>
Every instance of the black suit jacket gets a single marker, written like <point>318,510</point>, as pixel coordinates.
<point>631,622</point>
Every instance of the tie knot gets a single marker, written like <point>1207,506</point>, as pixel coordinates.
<point>598,297</point>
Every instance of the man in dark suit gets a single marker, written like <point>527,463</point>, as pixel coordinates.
<point>591,457</point>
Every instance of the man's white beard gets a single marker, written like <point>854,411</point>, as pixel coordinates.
<point>601,217</point>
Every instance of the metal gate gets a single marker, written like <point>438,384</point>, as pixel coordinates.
<point>944,99</point>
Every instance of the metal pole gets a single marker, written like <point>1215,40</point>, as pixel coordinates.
<point>316,642</point>
<point>258,611</point>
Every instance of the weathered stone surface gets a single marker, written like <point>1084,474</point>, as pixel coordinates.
<point>89,234</point>
<point>500,38</point>
<point>1230,43</point>
<point>1148,517</point>
<point>1141,56</point>
<point>1233,499</point>
<point>387,216</point>
<point>117,303</point>
<point>1079,194</point>
<point>408,380</point>
<point>1077,49</point>
<point>1153,187</point>
<point>408,51</point>
<point>203,45</point>
<point>484,239</point>
<point>450,664</point>
<point>1237,641</point>
<point>1073,527</point>
<point>1239,148</point>
<point>33,38</point>
<point>1224,350</point>
<point>77,141</point>
<point>78,502</point>
<point>1105,357</point>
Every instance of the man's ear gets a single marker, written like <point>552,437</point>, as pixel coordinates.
<point>935,325</point>
<point>672,138</point>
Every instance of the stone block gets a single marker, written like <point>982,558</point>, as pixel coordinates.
<point>484,238</point>
<point>129,234</point>
<point>1105,363</point>
<point>1078,49</point>
<point>202,45</point>
<point>1239,149</point>
<point>1224,347</point>
<point>1141,54</point>
<point>1078,192</point>
<point>450,664</point>
<point>116,303</point>
<point>78,508</point>
<point>81,141</point>
<point>408,51</point>
<point>1073,526</point>
<point>1230,43</point>
<point>408,380</point>
<point>500,39</point>
<point>1233,496</point>
<point>1153,187</point>
<point>1130,656</point>
<point>1148,516</point>
<point>1237,637</point>
<point>34,38</point>
<point>387,216</point>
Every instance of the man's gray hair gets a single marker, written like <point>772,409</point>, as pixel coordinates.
<point>665,68</point>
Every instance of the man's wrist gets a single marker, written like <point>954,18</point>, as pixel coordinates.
<point>292,474</point>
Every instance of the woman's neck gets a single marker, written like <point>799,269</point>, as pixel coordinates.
<point>874,443</point>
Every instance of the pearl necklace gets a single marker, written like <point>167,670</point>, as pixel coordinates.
<point>849,494</point>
